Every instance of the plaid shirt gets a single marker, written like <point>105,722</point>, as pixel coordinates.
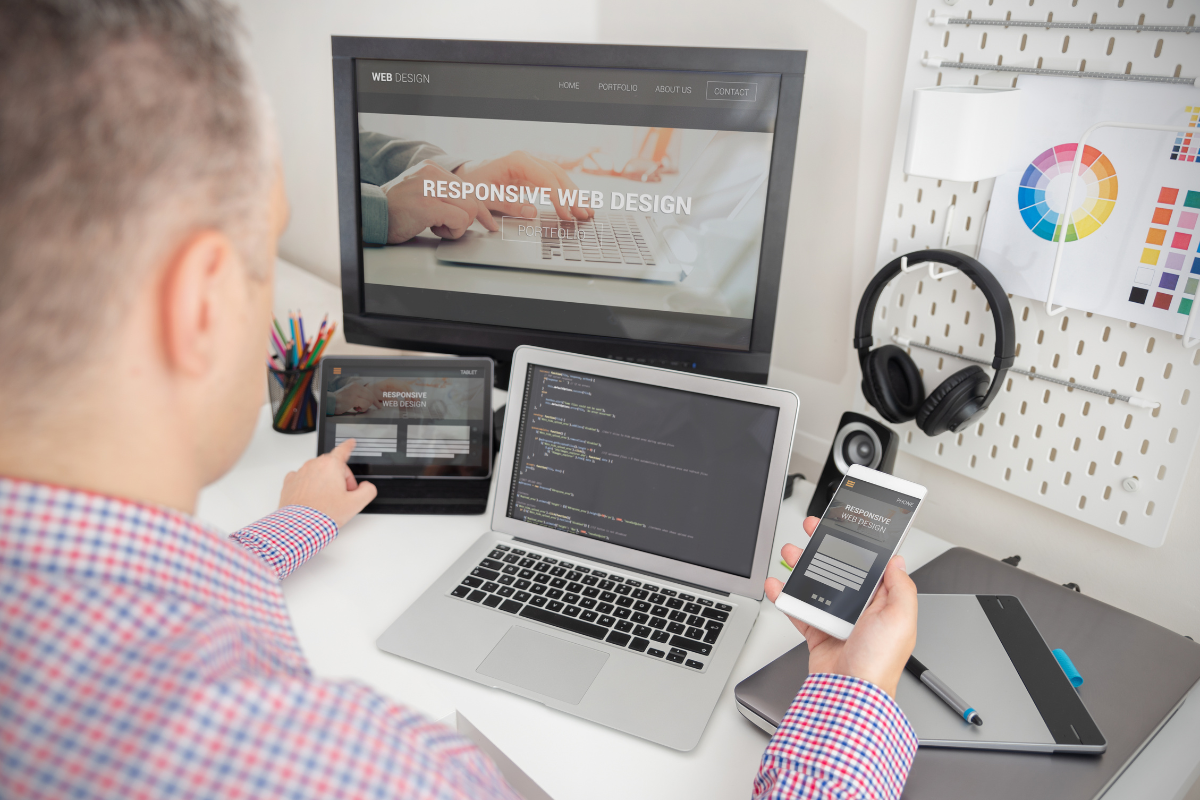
<point>143,656</point>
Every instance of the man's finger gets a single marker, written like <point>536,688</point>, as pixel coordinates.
<point>450,221</point>
<point>810,524</point>
<point>485,217</point>
<point>516,209</point>
<point>901,589</point>
<point>579,211</point>
<point>364,494</point>
<point>791,554</point>
<point>342,451</point>
<point>351,481</point>
<point>774,587</point>
<point>538,175</point>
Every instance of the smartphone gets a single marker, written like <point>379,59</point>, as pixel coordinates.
<point>865,524</point>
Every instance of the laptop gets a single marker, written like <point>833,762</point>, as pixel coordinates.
<point>634,515</point>
<point>723,181</point>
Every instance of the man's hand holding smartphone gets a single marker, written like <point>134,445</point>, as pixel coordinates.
<point>883,637</point>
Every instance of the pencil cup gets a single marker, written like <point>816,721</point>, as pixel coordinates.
<point>293,399</point>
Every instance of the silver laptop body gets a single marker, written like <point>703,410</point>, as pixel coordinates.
<point>655,664</point>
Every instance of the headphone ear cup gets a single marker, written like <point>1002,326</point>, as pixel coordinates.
<point>892,383</point>
<point>942,410</point>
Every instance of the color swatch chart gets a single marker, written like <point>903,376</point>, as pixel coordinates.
<point>1169,272</point>
<point>1187,146</point>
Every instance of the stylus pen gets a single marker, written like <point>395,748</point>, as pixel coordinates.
<point>938,686</point>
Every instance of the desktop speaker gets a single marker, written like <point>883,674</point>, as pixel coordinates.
<point>859,440</point>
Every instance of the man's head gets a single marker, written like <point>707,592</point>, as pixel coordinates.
<point>140,208</point>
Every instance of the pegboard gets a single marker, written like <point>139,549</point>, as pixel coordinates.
<point>1061,448</point>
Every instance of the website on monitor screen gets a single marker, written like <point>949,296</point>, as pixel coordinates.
<point>622,203</point>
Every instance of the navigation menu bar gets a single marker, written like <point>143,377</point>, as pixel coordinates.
<point>571,84</point>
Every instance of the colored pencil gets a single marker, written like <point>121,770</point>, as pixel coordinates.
<point>298,355</point>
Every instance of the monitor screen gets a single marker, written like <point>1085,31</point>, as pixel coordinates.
<point>665,471</point>
<point>618,203</point>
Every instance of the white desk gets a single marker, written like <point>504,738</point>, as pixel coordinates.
<point>346,595</point>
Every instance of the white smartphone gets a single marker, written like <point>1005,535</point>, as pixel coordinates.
<point>865,524</point>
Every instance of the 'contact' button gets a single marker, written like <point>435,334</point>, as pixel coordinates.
<point>725,90</point>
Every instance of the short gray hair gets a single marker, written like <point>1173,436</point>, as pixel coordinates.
<point>125,125</point>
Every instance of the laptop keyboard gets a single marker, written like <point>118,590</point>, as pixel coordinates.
<point>623,611</point>
<point>612,239</point>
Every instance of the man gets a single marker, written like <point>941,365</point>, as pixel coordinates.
<point>142,654</point>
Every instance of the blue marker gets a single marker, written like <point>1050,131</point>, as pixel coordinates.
<point>922,673</point>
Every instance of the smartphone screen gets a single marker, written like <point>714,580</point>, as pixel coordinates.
<point>850,548</point>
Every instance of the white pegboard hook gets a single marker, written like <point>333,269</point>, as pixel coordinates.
<point>1188,341</point>
<point>1066,217</point>
<point>937,276</point>
<point>906,268</point>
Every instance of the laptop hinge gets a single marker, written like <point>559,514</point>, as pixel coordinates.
<point>623,567</point>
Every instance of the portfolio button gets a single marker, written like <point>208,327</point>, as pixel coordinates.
<point>726,90</point>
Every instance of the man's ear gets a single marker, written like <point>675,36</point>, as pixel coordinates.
<point>193,289</point>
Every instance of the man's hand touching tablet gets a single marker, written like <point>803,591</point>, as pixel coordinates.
<point>327,485</point>
<point>883,638</point>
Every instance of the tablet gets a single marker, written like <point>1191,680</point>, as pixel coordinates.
<point>987,649</point>
<point>410,416</point>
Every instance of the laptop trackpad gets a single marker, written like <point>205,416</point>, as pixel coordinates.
<point>544,664</point>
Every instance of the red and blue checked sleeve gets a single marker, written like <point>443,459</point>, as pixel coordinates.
<point>843,737</point>
<point>287,538</point>
<point>301,740</point>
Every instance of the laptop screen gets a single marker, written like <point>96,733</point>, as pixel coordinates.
<point>665,471</point>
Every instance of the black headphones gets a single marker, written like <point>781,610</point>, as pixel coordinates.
<point>891,381</point>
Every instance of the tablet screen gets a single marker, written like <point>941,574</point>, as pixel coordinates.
<point>409,417</point>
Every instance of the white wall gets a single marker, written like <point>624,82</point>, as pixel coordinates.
<point>851,104</point>
<point>289,42</point>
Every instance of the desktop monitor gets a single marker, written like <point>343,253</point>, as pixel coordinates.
<point>617,201</point>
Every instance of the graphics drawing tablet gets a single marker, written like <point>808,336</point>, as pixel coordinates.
<point>987,649</point>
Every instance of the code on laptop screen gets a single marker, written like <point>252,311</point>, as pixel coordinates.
<point>665,471</point>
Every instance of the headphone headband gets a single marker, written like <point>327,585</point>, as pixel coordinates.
<point>993,292</point>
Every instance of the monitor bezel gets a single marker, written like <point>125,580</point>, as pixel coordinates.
<point>497,341</point>
<point>785,401</point>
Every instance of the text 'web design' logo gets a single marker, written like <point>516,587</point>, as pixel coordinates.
<point>1042,195</point>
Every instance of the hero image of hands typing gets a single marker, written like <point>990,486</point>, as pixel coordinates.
<point>499,180</point>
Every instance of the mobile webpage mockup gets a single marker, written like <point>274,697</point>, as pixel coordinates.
<point>850,548</point>
<point>667,173</point>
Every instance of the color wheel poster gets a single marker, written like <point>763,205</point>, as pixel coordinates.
<point>1133,236</point>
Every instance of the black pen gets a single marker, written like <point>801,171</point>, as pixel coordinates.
<point>922,673</point>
